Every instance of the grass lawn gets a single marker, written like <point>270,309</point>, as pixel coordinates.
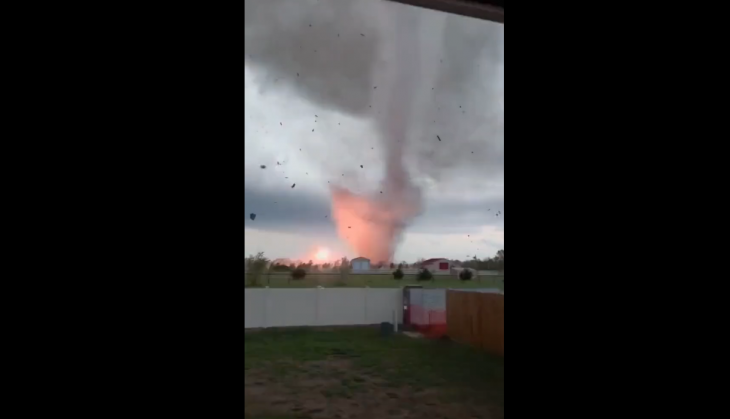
<point>378,281</point>
<point>356,373</point>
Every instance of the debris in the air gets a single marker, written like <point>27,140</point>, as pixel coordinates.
<point>310,25</point>
<point>297,74</point>
<point>361,166</point>
<point>349,227</point>
<point>381,191</point>
<point>459,107</point>
<point>278,164</point>
<point>316,116</point>
<point>281,124</point>
<point>293,185</point>
<point>375,87</point>
<point>253,216</point>
<point>438,137</point>
<point>263,166</point>
<point>300,149</point>
<point>307,172</point>
<point>362,34</point>
<point>312,129</point>
<point>468,235</point>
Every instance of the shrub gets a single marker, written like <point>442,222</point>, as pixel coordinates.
<point>298,273</point>
<point>465,275</point>
<point>424,275</point>
<point>398,274</point>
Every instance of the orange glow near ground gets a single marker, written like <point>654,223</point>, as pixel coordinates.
<point>322,254</point>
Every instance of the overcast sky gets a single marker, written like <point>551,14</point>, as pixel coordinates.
<point>314,96</point>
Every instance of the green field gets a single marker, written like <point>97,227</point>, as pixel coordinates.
<point>357,373</point>
<point>375,281</point>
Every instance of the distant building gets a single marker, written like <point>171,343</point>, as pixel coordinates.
<point>437,265</point>
<point>360,264</point>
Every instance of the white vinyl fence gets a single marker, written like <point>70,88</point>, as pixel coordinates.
<point>281,307</point>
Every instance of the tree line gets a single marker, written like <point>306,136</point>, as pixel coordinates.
<point>260,263</point>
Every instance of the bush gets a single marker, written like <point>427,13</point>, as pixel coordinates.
<point>398,274</point>
<point>298,273</point>
<point>424,275</point>
<point>465,275</point>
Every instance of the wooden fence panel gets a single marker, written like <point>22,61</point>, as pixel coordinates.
<point>476,319</point>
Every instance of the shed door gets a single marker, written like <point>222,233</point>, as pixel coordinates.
<point>443,266</point>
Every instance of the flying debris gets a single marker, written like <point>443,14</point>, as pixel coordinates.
<point>263,166</point>
<point>278,164</point>
<point>281,124</point>
<point>438,137</point>
<point>293,185</point>
<point>312,129</point>
<point>349,227</point>
<point>361,166</point>
<point>253,216</point>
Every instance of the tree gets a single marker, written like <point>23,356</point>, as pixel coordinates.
<point>256,265</point>
<point>344,272</point>
<point>398,274</point>
<point>465,274</point>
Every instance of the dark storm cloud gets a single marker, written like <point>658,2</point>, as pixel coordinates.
<point>315,48</point>
<point>292,212</point>
<point>287,212</point>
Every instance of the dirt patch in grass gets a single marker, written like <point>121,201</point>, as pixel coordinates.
<point>358,374</point>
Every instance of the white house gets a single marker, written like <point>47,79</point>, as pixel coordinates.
<point>360,264</point>
<point>437,265</point>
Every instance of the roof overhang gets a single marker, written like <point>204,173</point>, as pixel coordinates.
<point>481,9</point>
